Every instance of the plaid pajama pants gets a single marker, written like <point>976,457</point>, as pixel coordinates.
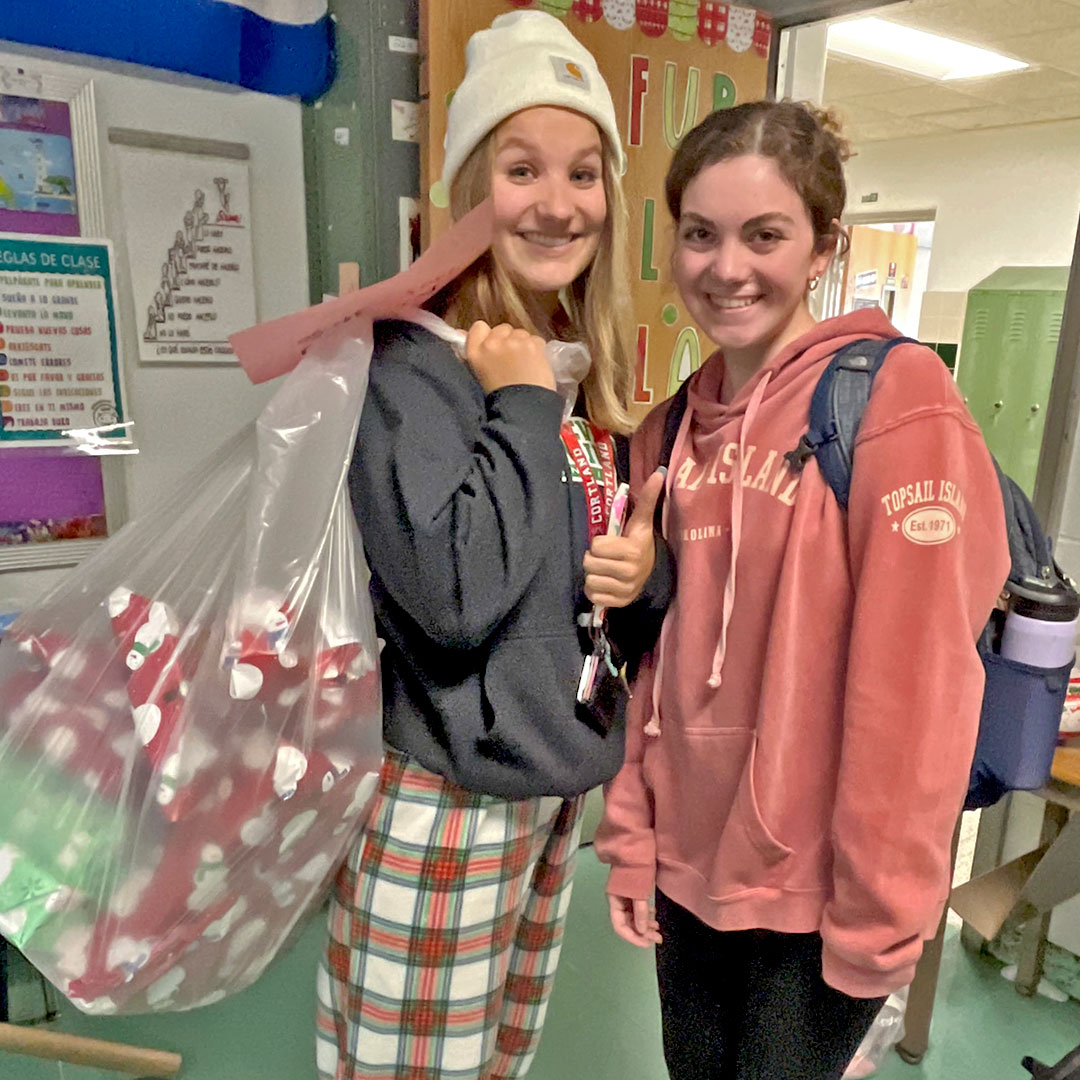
<point>444,933</point>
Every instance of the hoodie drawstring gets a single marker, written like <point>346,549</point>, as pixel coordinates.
<point>717,674</point>
<point>652,728</point>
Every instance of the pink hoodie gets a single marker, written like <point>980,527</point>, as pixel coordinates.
<point>798,745</point>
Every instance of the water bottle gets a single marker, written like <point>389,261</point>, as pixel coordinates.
<point>1040,628</point>
<point>1025,688</point>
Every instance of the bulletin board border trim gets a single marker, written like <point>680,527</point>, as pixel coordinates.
<point>179,144</point>
<point>53,555</point>
<point>19,78</point>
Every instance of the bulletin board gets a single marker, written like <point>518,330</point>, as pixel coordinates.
<point>668,64</point>
<point>59,358</point>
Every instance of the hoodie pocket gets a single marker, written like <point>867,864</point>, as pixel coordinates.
<point>694,774</point>
<point>769,847</point>
<point>749,855</point>
<point>532,722</point>
<point>706,809</point>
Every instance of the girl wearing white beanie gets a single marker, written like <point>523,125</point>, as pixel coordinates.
<point>478,503</point>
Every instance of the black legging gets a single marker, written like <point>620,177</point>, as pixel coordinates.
<point>751,1004</point>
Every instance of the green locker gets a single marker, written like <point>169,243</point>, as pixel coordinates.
<point>1006,362</point>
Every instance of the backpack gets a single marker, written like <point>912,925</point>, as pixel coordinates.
<point>1022,705</point>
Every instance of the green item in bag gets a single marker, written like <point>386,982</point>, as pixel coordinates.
<point>57,841</point>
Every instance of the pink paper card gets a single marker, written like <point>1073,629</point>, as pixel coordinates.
<point>275,348</point>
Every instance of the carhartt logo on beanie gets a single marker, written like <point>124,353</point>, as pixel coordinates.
<point>524,59</point>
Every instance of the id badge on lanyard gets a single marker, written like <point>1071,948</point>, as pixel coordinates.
<point>605,509</point>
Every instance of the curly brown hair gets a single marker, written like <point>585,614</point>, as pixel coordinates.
<point>805,141</point>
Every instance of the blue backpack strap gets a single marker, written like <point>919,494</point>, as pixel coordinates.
<point>672,420</point>
<point>836,411</point>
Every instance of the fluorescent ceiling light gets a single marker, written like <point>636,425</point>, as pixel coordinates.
<point>929,55</point>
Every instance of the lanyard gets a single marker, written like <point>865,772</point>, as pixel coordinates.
<point>599,504</point>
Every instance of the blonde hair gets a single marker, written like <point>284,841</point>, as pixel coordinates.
<point>595,303</point>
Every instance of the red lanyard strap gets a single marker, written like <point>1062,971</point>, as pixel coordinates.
<point>599,504</point>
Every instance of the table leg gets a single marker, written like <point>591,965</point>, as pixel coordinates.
<point>920,1005</point>
<point>1029,971</point>
<point>3,979</point>
<point>989,845</point>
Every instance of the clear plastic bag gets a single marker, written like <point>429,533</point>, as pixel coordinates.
<point>190,724</point>
<point>886,1031</point>
<point>570,360</point>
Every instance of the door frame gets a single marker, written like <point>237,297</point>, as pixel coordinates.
<point>1062,410</point>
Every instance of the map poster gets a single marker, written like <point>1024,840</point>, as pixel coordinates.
<point>188,224</point>
<point>37,167</point>
<point>59,363</point>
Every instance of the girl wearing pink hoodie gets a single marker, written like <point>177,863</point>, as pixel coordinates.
<point>799,742</point>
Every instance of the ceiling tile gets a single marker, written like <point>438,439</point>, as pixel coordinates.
<point>852,113</point>
<point>985,22</point>
<point>1066,107</point>
<point>884,103</point>
<point>847,78</point>
<point>893,127</point>
<point>1060,49</point>
<point>983,117</point>
<point>918,100</point>
<point>1021,86</point>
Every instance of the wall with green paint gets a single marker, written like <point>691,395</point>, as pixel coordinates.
<point>354,170</point>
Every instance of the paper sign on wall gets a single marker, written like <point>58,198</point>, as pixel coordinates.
<point>188,223</point>
<point>59,364</point>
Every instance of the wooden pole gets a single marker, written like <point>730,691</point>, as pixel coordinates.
<point>348,277</point>
<point>76,1050</point>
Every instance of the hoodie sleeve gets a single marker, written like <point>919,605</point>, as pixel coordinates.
<point>928,558</point>
<point>625,839</point>
<point>453,491</point>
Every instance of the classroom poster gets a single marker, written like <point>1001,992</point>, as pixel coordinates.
<point>37,167</point>
<point>188,230</point>
<point>668,64</point>
<point>59,362</point>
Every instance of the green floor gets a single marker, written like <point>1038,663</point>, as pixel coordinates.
<point>603,1022</point>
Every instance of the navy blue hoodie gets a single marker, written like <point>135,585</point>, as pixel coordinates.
<point>475,540</point>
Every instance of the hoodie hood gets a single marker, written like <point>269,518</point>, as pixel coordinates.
<point>824,339</point>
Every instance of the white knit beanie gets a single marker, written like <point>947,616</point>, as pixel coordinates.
<point>525,58</point>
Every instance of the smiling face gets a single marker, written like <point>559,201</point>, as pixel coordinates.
<point>744,255</point>
<point>547,187</point>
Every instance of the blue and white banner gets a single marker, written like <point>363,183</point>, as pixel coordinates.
<point>274,46</point>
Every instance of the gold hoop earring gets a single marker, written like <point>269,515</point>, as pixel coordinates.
<point>814,282</point>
